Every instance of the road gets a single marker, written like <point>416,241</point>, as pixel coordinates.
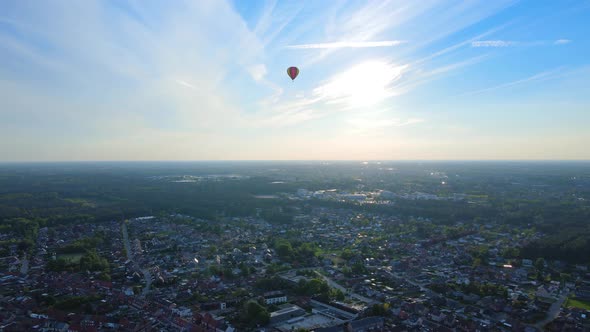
<point>24,268</point>
<point>408,280</point>
<point>553,311</point>
<point>126,243</point>
<point>334,284</point>
<point>146,273</point>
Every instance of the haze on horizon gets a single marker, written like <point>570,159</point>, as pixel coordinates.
<point>379,80</point>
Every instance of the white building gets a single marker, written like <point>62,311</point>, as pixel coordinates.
<point>354,197</point>
<point>302,192</point>
<point>274,298</point>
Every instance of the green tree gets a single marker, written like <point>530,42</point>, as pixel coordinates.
<point>540,264</point>
<point>346,254</point>
<point>359,268</point>
<point>91,261</point>
<point>285,250</point>
<point>379,309</point>
<point>254,314</point>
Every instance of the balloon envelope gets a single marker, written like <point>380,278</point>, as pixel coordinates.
<point>293,72</point>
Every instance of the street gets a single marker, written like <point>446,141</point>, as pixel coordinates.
<point>553,311</point>
<point>359,297</point>
<point>146,273</point>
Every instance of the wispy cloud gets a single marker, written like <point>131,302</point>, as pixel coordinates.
<point>186,84</point>
<point>385,43</point>
<point>539,77</point>
<point>367,23</point>
<point>419,76</point>
<point>457,46</point>
<point>508,43</point>
<point>274,18</point>
<point>156,72</point>
<point>493,43</point>
<point>140,78</point>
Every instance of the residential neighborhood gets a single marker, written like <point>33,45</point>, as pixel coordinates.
<point>331,268</point>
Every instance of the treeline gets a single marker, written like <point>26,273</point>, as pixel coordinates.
<point>76,303</point>
<point>480,289</point>
<point>314,287</point>
<point>570,244</point>
<point>484,289</point>
<point>443,212</point>
<point>84,244</point>
<point>24,232</point>
<point>296,251</point>
<point>544,213</point>
<point>90,261</point>
<point>71,196</point>
<point>319,289</point>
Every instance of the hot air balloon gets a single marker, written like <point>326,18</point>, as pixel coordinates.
<point>293,72</point>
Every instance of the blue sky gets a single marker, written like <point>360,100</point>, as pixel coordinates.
<point>379,80</point>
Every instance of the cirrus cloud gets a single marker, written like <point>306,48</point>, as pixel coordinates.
<point>364,44</point>
<point>508,43</point>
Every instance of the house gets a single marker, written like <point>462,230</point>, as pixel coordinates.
<point>544,293</point>
<point>583,293</point>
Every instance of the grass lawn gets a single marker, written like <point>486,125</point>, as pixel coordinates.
<point>572,302</point>
<point>74,258</point>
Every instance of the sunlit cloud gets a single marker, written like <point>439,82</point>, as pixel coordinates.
<point>562,41</point>
<point>257,71</point>
<point>386,43</point>
<point>368,124</point>
<point>362,85</point>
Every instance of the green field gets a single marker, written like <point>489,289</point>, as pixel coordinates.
<point>574,303</point>
<point>74,258</point>
<point>82,202</point>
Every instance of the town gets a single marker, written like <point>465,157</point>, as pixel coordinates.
<point>294,166</point>
<point>328,268</point>
<point>283,247</point>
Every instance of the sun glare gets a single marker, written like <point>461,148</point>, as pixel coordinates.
<point>365,84</point>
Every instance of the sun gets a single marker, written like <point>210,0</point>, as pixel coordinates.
<point>365,84</point>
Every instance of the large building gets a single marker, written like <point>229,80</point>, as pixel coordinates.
<point>369,324</point>
<point>275,298</point>
<point>287,311</point>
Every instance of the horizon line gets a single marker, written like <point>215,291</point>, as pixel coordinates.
<point>286,160</point>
